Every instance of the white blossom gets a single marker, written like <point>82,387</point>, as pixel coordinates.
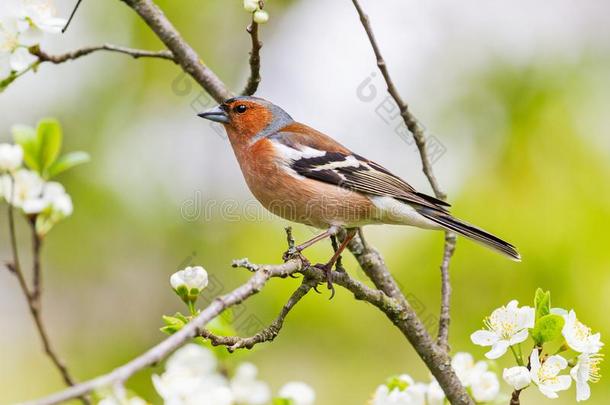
<point>586,370</point>
<point>190,277</point>
<point>25,185</point>
<point>435,394</point>
<point>546,375</point>
<point>194,358</point>
<point>299,392</point>
<point>517,377</point>
<point>251,5</point>
<point>485,387</point>
<point>11,157</point>
<point>412,394</point>
<point>507,326</point>
<point>247,390</point>
<point>14,55</point>
<point>466,369</point>
<point>22,24</point>
<point>579,337</point>
<point>41,15</point>
<point>260,16</point>
<point>53,197</point>
<point>191,378</point>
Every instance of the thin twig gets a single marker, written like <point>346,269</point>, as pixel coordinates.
<point>267,334</point>
<point>135,53</point>
<point>63,30</point>
<point>420,140</point>
<point>409,119</point>
<point>160,351</point>
<point>32,301</point>
<point>514,398</point>
<point>36,267</point>
<point>255,60</point>
<point>445,314</point>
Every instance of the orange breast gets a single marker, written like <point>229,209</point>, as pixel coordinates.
<point>297,198</point>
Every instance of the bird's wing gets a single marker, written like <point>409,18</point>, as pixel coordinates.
<point>342,168</point>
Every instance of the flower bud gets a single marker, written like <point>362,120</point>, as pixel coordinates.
<point>11,157</point>
<point>189,283</point>
<point>261,16</point>
<point>251,5</point>
<point>517,377</point>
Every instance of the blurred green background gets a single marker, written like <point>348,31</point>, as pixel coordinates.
<point>517,97</point>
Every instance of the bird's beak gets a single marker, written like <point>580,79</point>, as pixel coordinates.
<point>216,114</point>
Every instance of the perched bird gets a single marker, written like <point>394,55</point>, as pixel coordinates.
<point>306,176</point>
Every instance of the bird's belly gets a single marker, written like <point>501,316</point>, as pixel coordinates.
<point>314,203</point>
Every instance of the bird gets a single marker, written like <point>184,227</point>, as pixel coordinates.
<point>307,177</point>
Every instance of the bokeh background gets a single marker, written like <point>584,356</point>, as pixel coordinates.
<point>514,97</point>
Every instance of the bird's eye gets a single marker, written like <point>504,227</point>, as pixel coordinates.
<point>240,109</point>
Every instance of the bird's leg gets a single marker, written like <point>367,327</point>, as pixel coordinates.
<point>333,241</point>
<point>298,249</point>
<point>328,267</point>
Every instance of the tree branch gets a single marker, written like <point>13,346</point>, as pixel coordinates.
<point>162,350</point>
<point>420,140</point>
<point>183,53</point>
<point>445,315</point>
<point>135,53</point>
<point>31,298</point>
<point>255,61</point>
<point>269,333</point>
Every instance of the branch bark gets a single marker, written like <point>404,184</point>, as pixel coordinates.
<point>135,53</point>
<point>269,333</point>
<point>420,140</point>
<point>183,53</point>
<point>167,346</point>
<point>255,61</point>
<point>33,298</point>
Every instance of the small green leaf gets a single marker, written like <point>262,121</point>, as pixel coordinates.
<point>547,328</point>
<point>542,303</point>
<point>25,137</point>
<point>67,161</point>
<point>49,137</point>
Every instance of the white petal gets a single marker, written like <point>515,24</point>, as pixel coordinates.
<point>547,392</point>
<point>497,350</point>
<point>484,338</point>
<point>583,391</point>
<point>30,36</point>
<point>21,59</point>
<point>556,361</point>
<point>5,65</point>
<point>534,365</point>
<point>519,337</point>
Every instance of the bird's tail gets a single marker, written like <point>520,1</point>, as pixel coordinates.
<point>470,231</point>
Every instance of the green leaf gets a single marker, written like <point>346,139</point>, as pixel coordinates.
<point>542,303</point>
<point>49,137</point>
<point>25,137</point>
<point>68,161</point>
<point>547,328</point>
<point>173,323</point>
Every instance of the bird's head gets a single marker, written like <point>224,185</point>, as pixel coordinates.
<point>248,117</point>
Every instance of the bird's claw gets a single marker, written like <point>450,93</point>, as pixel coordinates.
<point>328,271</point>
